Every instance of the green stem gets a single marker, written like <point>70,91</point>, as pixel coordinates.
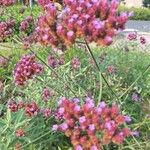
<point>60,78</point>
<point>100,90</point>
<point>36,139</point>
<point>147,68</point>
<point>91,53</point>
<point>75,83</point>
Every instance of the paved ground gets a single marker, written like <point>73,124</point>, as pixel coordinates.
<point>143,26</point>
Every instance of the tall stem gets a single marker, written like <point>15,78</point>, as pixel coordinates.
<point>91,53</point>
<point>146,69</point>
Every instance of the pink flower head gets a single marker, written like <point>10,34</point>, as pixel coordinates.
<point>20,133</point>
<point>31,109</point>
<point>93,20</point>
<point>91,127</point>
<point>111,69</point>
<point>142,40</point>
<point>82,119</point>
<point>13,106</point>
<point>46,112</point>
<point>78,147</point>
<point>94,148</point>
<point>128,119</point>
<point>26,69</point>
<point>55,127</point>
<point>47,94</point>
<point>7,2</point>
<point>132,36</point>
<point>64,126</point>
<point>52,61</point>
<point>43,2</point>
<point>102,104</point>
<point>78,119</point>
<point>75,63</point>
<point>135,96</point>
<point>135,133</point>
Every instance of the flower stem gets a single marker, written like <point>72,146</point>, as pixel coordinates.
<point>146,69</point>
<point>60,78</point>
<point>91,53</point>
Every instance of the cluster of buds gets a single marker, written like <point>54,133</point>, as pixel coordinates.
<point>25,24</point>
<point>134,36</point>
<point>46,26</point>
<point>47,94</point>
<point>20,132</point>
<point>7,2</point>
<point>111,69</point>
<point>26,69</point>
<point>31,109</point>
<point>46,112</point>
<point>43,2</point>
<point>3,61</point>
<point>55,62</point>
<point>92,20</point>
<point>89,126</point>
<point>15,106</point>
<point>142,40</point>
<point>75,63</point>
<point>6,29</point>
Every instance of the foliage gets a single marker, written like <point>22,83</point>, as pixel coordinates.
<point>75,94</point>
<point>139,13</point>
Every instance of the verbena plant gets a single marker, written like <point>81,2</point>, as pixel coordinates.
<point>58,103</point>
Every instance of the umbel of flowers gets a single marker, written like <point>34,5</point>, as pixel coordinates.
<point>91,20</point>
<point>26,69</point>
<point>7,2</point>
<point>90,127</point>
<point>6,29</point>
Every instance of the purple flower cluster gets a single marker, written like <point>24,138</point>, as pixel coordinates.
<point>43,2</point>
<point>75,63</point>
<point>6,29</point>
<point>134,36</point>
<point>24,25</point>
<point>47,94</point>
<point>55,62</point>
<point>26,69</point>
<point>7,2</point>
<point>82,123</point>
<point>92,20</point>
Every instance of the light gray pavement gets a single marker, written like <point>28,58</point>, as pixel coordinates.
<point>142,26</point>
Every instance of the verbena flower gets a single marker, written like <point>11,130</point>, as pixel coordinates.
<point>26,69</point>
<point>95,21</point>
<point>31,109</point>
<point>46,112</point>
<point>82,123</point>
<point>6,29</point>
<point>47,94</point>
<point>20,132</point>
<point>142,40</point>
<point>111,69</point>
<point>75,63</point>
<point>25,24</point>
<point>7,2</point>
<point>132,36</point>
<point>135,96</point>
